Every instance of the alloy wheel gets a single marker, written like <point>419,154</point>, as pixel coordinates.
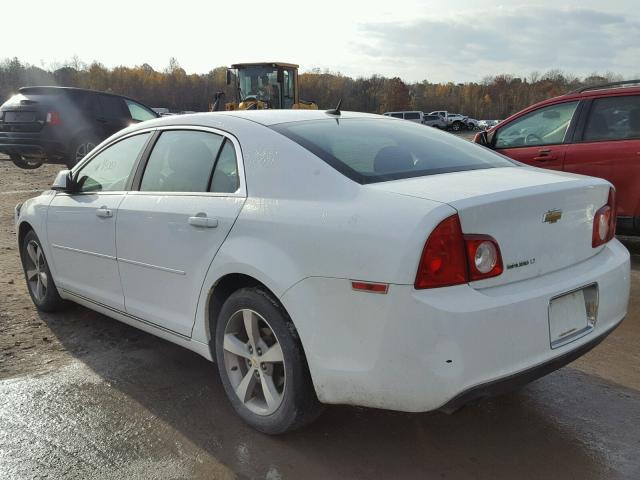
<point>83,149</point>
<point>36,271</point>
<point>254,362</point>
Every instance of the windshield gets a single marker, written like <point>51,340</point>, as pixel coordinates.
<point>260,83</point>
<point>378,149</point>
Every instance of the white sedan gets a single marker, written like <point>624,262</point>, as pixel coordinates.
<point>332,258</point>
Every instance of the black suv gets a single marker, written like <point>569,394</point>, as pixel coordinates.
<point>61,124</point>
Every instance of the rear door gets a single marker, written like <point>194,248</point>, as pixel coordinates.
<point>539,138</point>
<point>81,227</point>
<point>114,115</point>
<point>168,231</point>
<point>607,145</point>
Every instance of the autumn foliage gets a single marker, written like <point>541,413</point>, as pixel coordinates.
<point>496,97</point>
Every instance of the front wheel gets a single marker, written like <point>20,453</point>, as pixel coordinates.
<point>41,287</point>
<point>456,127</point>
<point>262,364</point>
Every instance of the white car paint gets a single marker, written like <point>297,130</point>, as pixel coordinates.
<point>306,231</point>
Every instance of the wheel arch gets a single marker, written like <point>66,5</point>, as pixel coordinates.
<point>23,229</point>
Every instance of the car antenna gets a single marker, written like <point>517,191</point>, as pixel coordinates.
<point>335,111</point>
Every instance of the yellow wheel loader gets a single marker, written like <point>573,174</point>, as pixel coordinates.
<point>259,86</point>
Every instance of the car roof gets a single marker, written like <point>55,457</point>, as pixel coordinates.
<point>263,117</point>
<point>53,88</point>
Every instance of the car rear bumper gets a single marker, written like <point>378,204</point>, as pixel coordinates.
<point>31,144</point>
<point>420,350</point>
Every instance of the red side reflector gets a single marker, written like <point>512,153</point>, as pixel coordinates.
<point>370,287</point>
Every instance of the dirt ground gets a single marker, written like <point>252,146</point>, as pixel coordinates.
<point>84,396</point>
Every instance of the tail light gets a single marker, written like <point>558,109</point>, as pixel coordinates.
<point>604,222</point>
<point>53,118</point>
<point>451,258</point>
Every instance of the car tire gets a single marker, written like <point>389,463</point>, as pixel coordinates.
<point>42,288</point>
<point>457,126</point>
<point>27,164</point>
<point>79,148</point>
<point>277,396</point>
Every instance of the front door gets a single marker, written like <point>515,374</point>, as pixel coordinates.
<point>169,231</point>
<point>538,138</point>
<point>81,227</point>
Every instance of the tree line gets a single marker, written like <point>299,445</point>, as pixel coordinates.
<point>495,97</point>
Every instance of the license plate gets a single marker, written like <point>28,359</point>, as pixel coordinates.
<point>19,117</point>
<point>572,315</point>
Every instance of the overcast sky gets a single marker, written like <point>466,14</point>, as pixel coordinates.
<point>458,41</point>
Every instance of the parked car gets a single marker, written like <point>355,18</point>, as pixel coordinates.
<point>413,116</point>
<point>486,124</point>
<point>455,121</point>
<point>593,131</point>
<point>364,261</point>
<point>61,124</point>
<point>472,124</point>
<point>434,121</point>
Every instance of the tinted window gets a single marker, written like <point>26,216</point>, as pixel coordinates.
<point>139,112</point>
<point>112,106</point>
<point>376,150</point>
<point>110,169</point>
<point>225,176</point>
<point>614,118</point>
<point>396,115</point>
<point>412,116</point>
<point>181,161</point>
<point>86,103</point>
<point>431,117</point>
<point>545,126</point>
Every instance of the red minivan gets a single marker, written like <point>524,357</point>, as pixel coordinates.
<point>593,131</point>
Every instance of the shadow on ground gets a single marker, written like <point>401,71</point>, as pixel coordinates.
<point>567,425</point>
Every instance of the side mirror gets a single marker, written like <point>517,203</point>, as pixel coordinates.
<point>228,77</point>
<point>64,182</point>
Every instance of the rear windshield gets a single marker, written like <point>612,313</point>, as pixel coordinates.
<point>370,150</point>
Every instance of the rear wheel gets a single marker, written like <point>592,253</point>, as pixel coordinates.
<point>26,162</point>
<point>42,289</point>
<point>80,147</point>
<point>262,364</point>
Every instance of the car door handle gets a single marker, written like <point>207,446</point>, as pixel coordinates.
<point>104,212</point>
<point>200,220</point>
<point>544,156</point>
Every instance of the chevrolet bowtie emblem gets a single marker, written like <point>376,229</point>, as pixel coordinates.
<point>552,216</point>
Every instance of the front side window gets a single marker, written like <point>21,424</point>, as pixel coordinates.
<point>138,112</point>
<point>110,169</point>
<point>376,150</point>
<point>545,126</point>
<point>184,160</point>
<point>613,118</point>
<point>260,83</point>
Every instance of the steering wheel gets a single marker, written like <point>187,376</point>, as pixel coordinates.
<point>532,138</point>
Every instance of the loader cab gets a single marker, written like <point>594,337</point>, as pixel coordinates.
<point>263,86</point>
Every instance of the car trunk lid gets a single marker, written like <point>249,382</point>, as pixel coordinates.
<point>542,220</point>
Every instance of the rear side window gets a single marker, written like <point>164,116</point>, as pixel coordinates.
<point>613,118</point>
<point>376,150</point>
<point>184,161</point>
<point>109,170</point>
<point>112,107</point>
<point>396,115</point>
<point>545,126</point>
<point>412,116</point>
